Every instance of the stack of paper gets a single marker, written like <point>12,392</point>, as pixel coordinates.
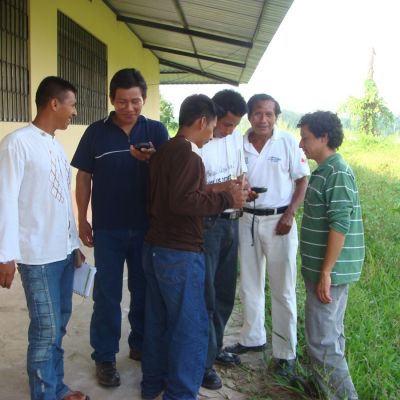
<point>83,279</point>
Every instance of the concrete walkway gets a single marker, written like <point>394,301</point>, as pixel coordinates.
<point>79,368</point>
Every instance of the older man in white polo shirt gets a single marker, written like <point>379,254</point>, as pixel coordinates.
<point>268,234</point>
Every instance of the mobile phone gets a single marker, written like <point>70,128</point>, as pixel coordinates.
<point>142,145</point>
<point>259,189</point>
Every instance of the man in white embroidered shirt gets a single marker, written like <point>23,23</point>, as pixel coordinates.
<point>268,234</point>
<point>37,231</point>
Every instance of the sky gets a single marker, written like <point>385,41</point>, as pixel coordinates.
<point>319,57</point>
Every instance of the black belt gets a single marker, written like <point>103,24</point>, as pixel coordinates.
<point>266,211</point>
<point>262,212</point>
<point>231,215</point>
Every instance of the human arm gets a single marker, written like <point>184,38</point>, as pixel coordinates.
<point>7,272</point>
<point>334,247</point>
<point>339,189</point>
<point>12,167</point>
<point>286,221</point>
<point>83,193</point>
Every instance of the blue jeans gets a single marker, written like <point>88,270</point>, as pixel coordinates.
<point>48,292</point>
<point>221,255</point>
<point>111,249</point>
<point>176,330</point>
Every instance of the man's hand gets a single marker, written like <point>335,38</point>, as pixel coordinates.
<point>142,154</point>
<point>7,272</point>
<point>285,223</point>
<point>323,288</point>
<point>86,233</point>
<point>238,193</point>
<point>251,195</point>
<point>79,258</point>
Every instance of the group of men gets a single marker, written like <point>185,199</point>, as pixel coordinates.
<point>178,212</point>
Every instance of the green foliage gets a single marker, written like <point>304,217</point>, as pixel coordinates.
<point>369,114</point>
<point>167,116</point>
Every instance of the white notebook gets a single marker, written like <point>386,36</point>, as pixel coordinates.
<point>83,279</point>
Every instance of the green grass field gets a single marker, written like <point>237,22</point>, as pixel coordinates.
<point>372,322</point>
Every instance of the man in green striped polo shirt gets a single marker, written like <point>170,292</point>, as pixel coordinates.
<point>332,251</point>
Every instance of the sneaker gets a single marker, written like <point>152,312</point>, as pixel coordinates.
<point>240,349</point>
<point>227,359</point>
<point>107,374</point>
<point>211,380</point>
<point>135,354</point>
<point>284,368</point>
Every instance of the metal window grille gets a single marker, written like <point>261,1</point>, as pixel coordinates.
<point>82,60</point>
<point>14,73</point>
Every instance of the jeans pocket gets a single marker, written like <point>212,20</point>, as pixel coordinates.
<point>170,266</point>
<point>209,223</point>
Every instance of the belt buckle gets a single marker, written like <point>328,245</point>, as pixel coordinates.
<point>235,214</point>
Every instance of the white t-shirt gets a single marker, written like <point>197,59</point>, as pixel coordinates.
<point>223,158</point>
<point>276,167</point>
<point>37,225</point>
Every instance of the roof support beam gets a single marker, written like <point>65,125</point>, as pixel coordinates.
<point>198,56</point>
<point>191,70</point>
<point>184,31</point>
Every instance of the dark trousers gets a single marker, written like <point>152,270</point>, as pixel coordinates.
<point>176,329</point>
<point>111,249</point>
<point>221,254</point>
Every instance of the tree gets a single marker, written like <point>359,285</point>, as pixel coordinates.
<point>369,113</point>
<point>167,115</point>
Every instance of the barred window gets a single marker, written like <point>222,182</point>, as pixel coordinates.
<point>82,60</point>
<point>14,73</point>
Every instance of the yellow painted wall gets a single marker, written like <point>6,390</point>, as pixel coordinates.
<point>124,50</point>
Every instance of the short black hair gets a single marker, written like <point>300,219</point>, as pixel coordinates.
<point>255,99</point>
<point>127,78</point>
<point>229,101</point>
<point>194,107</point>
<point>321,123</point>
<point>52,87</point>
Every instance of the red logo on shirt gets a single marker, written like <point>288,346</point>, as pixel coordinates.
<point>303,160</point>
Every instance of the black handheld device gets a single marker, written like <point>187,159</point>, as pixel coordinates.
<point>259,189</point>
<point>142,145</point>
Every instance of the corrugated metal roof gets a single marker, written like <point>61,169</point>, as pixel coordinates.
<point>203,41</point>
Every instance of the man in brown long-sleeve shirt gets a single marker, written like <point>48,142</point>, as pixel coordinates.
<point>176,327</point>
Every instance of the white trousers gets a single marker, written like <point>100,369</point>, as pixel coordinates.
<point>277,254</point>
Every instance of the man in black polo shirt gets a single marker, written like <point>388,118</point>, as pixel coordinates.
<point>113,174</point>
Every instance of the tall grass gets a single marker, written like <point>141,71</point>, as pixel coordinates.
<point>373,316</point>
<point>372,323</point>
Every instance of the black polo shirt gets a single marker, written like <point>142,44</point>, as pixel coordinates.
<point>119,190</point>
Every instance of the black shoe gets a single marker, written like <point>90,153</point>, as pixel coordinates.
<point>284,368</point>
<point>227,359</point>
<point>211,380</point>
<point>240,349</point>
<point>135,354</point>
<point>107,374</point>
